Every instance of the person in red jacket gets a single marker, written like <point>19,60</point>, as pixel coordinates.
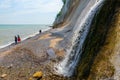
<point>19,39</point>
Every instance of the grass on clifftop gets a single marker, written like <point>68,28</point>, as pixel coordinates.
<point>64,1</point>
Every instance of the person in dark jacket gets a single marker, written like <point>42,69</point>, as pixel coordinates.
<point>15,40</point>
<point>40,31</point>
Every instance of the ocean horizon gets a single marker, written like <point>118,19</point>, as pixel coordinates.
<point>8,31</point>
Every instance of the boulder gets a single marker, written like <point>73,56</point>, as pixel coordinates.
<point>38,74</point>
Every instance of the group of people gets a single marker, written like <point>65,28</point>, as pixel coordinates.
<point>17,39</point>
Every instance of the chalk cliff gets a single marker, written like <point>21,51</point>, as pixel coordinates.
<point>100,51</point>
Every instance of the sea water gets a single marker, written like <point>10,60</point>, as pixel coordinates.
<point>7,32</point>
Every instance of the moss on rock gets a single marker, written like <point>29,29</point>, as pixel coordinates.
<point>95,38</point>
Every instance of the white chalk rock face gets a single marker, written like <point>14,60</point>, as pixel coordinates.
<point>80,20</point>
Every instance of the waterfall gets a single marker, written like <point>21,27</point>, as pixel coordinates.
<point>80,31</point>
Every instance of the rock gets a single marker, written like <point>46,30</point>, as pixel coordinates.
<point>10,66</point>
<point>38,74</point>
<point>30,78</point>
<point>4,75</point>
<point>51,53</point>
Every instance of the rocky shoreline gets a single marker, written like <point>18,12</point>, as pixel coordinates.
<point>38,53</point>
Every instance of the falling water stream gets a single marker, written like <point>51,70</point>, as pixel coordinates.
<point>80,31</point>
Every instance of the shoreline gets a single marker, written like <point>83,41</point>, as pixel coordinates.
<point>37,53</point>
<point>25,38</point>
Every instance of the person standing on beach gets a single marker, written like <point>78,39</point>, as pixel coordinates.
<point>40,31</point>
<point>15,40</point>
<point>18,39</point>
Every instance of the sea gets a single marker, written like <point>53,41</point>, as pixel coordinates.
<point>7,32</point>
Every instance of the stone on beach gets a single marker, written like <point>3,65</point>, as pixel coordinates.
<point>30,78</point>
<point>3,75</point>
<point>51,53</point>
<point>38,74</point>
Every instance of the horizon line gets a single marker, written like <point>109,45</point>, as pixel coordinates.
<point>26,24</point>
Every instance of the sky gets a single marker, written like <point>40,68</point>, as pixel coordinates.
<point>29,11</point>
